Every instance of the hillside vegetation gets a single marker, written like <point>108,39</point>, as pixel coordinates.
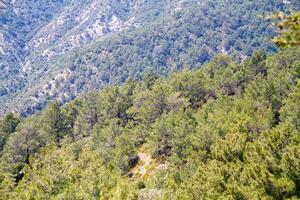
<point>229,130</point>
<point>59,50</point>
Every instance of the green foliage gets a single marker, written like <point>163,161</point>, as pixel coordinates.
<point>290,111</point>
<point>53,122</point>
<point>289,29</point>
<point>225,131</point>
<point>7,126</point>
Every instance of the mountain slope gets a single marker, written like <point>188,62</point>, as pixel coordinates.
<point>225,131</point>
<point>85,45</point>
<point>19,21</point>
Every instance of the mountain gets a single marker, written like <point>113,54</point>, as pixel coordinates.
<point>57,50</point>
<point>170,120</point>
<point>19,21</point>
<point>229,130</point>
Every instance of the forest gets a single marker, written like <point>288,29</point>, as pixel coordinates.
<point>166,36</point>
<point>227,130</point>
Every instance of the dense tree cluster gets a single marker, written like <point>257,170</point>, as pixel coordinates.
<point>225,131</point>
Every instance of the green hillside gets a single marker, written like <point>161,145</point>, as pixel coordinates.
<point>151,118</point>
<point>229,130</point>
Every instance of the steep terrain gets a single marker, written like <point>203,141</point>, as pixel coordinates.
<point>62,49</point>
<point>228,130</point>
<point>35,33</point>
<point>19,21</point>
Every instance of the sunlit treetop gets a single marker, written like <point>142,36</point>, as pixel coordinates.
<point>288,28</point>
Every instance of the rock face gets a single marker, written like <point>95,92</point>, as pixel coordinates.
<point>60,49</point>
<point>93,20</point>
